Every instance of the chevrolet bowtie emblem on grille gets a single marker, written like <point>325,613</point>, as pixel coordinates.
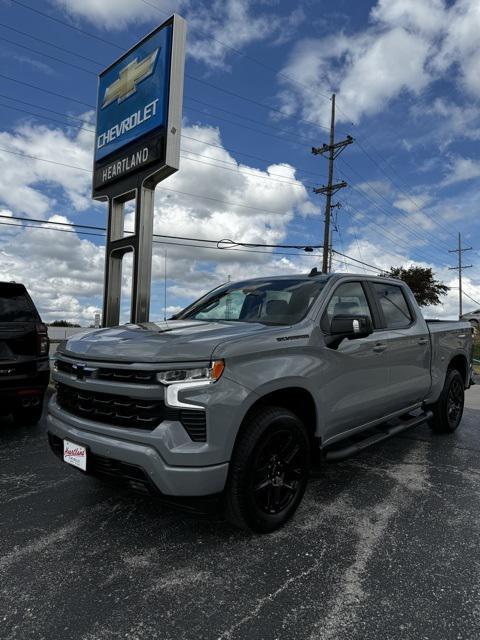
<point>82,371</point>
<point>128,78</point>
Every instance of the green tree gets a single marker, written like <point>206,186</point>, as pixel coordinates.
<point>421,280</point>
<point>63,323</point>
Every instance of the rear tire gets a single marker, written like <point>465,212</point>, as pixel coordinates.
<point>29,416</point>
<point>269,471</point>
<point>448,410</point>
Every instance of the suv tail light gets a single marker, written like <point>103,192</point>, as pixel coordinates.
<point>42,339</point>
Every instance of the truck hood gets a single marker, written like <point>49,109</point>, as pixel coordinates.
<point>169,341</point>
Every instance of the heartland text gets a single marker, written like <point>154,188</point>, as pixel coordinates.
<point>121,166</point>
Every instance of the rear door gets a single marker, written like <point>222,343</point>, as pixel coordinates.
<point>18,319</point>
<point>408,345</point>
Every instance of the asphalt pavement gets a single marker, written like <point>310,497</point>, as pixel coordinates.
<point>386,545</point>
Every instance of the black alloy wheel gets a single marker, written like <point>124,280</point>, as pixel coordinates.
<point>278,471</point>
<point>448,410</point>
<point>456,397</point>
<point>269,470</point>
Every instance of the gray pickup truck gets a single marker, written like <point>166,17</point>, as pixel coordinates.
<point>238,395</point>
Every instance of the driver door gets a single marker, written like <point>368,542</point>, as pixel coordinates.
<point>355,382</point>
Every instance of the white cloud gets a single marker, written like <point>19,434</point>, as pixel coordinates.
<point>211,25</point>
<point>461,46</point>
<point>460,170</point>
<point>26,174</point>
<point>236,23</point>
<point>115,14</point>
<point>426,16</point>
<point>366,70</point>
<point>407,46</point>
<point>65,273</point>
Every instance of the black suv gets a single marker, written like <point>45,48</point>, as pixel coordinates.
<point>24,346</point>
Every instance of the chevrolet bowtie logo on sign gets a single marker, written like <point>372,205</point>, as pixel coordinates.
<point>128,78</point>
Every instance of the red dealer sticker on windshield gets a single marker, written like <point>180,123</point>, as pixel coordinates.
<point>75,454</point>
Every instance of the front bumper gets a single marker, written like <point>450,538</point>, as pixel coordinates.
<point>141,459</point>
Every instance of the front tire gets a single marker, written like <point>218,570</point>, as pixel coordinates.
<point>448,410</point>
<point>269,471</point>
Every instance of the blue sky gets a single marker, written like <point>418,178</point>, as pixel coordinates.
<point>407,78</point>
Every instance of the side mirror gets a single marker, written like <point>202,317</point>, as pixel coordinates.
<point>351,327</point>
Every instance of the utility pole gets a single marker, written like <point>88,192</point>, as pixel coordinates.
<point>460,268</point>
<point>334,149</point>
<point>330,253</point>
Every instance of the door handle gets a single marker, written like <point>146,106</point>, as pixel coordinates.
<point>379,347</point>
<point>423,341</point>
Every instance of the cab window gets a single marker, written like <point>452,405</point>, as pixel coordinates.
<point>347,299</point>
<point>394,305</point>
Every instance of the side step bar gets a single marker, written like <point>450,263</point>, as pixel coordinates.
<point>383,432</point>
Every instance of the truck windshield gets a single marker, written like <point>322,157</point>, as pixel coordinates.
<point>276,302</point>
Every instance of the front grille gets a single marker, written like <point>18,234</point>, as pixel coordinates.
<point>132,413</point>
<point>112,409</point>
<point>131,376</point>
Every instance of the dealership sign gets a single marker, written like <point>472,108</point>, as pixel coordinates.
<point>139,106</point>
<point>137,144</point>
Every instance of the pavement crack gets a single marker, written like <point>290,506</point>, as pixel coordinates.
<point>271,597</point>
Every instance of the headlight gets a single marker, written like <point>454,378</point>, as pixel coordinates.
<point>201,374</point>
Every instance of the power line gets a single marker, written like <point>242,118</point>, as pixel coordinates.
<point>380,195</point>
<point>48,118</point>
<point>59,113</point>
<point>244,117</point>
<point>470,297</point>
<point>228,203</point>
<point>383,231</point>
<point>373,266</point>
<point>183,135</point>
<point>158,235</point>
<point>388,213</point>
<point>52,93</point>
<point>50,44</point>
<point>417,206</point>
<point>31,226</point>
<point>68,63</point>
<point>179,244</point>
<point>442,226</point>
<point>70,26</point>
<point>191,77</point>
<point>46,55</point>
<point>246,55</point>
<point>346,263</point>
<point>297,183</point>
<point>120,47</point>
<point>386,233</point>
<point>209,164</point>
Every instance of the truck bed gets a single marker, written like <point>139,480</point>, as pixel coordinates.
<point>447,336</point>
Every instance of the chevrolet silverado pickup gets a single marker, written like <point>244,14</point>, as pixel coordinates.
<point>240,393</point>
